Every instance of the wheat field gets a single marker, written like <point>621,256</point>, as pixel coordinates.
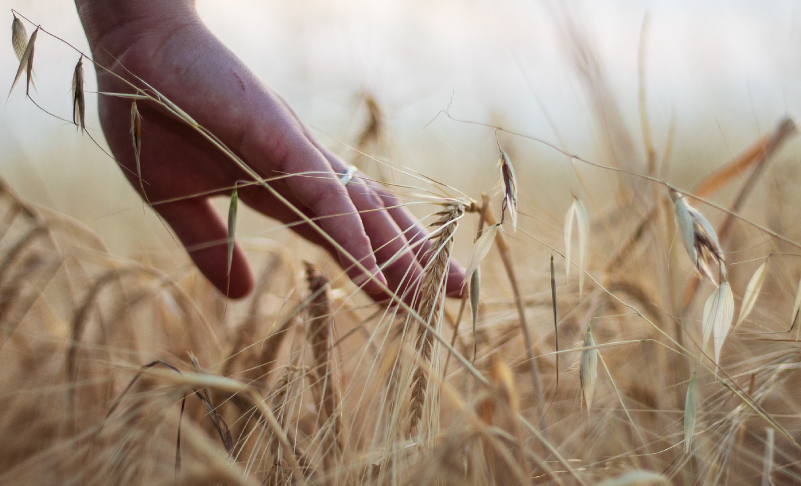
<point>644,332</point>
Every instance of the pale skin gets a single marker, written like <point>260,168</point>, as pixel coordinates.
<point>164,43</point>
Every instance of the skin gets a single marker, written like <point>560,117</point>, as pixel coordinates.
<point>165,44</point>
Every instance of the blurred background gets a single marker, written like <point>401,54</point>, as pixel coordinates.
<point>722,72</point>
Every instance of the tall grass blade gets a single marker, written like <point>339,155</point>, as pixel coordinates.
<point>718,313</point>
<point>555,319</point>
<point>509,182</point>
<point>690,412</point>
<point>588,369</point>
<point>232,211</point>
<point>19,37</point>
<point>752,293</point>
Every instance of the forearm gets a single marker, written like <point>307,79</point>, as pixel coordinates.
<point>111,24</point>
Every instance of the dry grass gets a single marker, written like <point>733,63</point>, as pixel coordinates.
<point>113,371</point>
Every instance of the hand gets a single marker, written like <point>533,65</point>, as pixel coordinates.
<point>166,45</point>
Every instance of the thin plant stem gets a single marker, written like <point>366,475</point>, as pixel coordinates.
<point>508,264</point>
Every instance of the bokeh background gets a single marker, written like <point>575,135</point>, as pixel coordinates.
<point>723,72</point>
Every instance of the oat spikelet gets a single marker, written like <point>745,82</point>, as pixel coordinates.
<point>431,296</point>
<point>321,317</point>
<point>718,314</point>
<point>136,137</point>
<point>19,37</point>
<point>690,412</point>
<point>509,184</point>
<point>78,98</point>
<point>233,208</point>
<point>481,249</point>
<point>767,460</point>
<point>26,64</point>
<point>752,293</point>
<point>796,310</point>
<point>475,292</point>
<point>699,238</point>
<point>638,477</point>
<point>579,212</point>
<point>588,369</point>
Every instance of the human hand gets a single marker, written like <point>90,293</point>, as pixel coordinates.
<point>166,45</point>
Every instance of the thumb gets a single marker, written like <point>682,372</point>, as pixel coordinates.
<point>205,236</point>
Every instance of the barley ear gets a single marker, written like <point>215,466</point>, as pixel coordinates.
<point>430,305</point>
<point>232,210</point>
<point>690,412</point>
<point>321,340</point>
<point>19,37</point>
<point>78,98</point>
<point>752,293</point>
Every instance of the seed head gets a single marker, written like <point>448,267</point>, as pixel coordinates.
<point>509,182</point>
<point>19,37</point>
<point>699,238</point>
<point>78,98</point>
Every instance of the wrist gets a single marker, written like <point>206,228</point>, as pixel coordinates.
<point>112,26</point>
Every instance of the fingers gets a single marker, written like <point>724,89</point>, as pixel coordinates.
<point>390,225</point>
<point>417,236</point>
<point>399,263</point>
<point>205,236</point>
<point>397,258</point>
<point>320,191</point>
<point>264,202</point>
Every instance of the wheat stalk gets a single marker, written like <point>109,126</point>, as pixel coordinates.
<point>431,296</point>
<point>321,323</point>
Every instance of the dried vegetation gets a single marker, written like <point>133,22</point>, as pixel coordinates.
<point>116,372</point>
